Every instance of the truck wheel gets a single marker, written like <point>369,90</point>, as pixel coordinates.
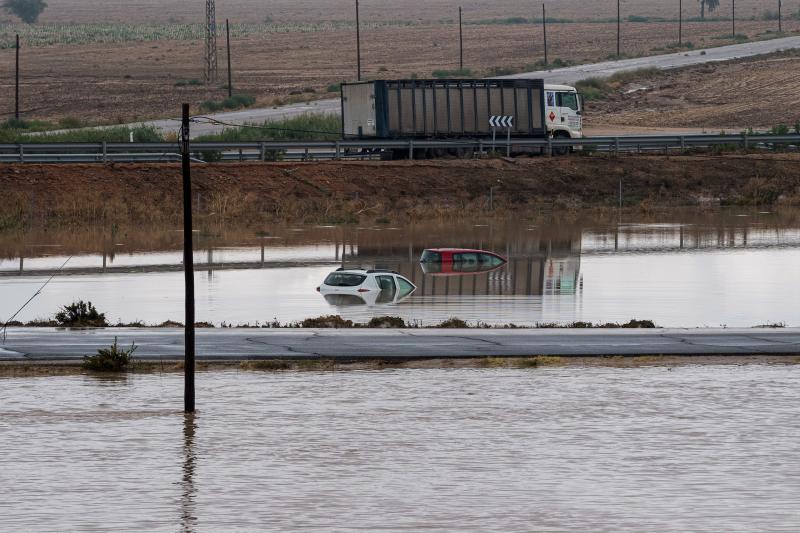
<point>561,150</point>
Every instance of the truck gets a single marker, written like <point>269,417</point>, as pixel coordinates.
<point>459,109</point>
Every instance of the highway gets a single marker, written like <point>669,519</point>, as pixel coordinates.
<point>49,344</point>
<point>567,75</point>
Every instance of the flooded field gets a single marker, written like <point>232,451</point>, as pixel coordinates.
<point>724,268</point>
<point>709,448</point>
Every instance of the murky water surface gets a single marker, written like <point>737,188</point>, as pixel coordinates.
<point>734,268</point>
<point>557,449</point>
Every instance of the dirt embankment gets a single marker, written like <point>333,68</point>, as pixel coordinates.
<point>728,95</point>
<point>338,192</point>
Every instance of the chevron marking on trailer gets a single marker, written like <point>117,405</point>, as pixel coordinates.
<point>501,121</point>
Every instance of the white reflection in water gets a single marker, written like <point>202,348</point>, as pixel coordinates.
<point>674,274</point>
<point>708,288</point>
<point>559,449</point>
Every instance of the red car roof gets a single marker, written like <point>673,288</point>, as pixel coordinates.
<point>462,251</point>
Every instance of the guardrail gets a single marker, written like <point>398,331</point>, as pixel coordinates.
<point>366,149</point>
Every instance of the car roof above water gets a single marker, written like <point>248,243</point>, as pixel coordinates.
<point>461,250</point>
<point>363,271</point>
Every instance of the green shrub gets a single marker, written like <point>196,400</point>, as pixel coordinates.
<point>327,322</point>
<point>593,88</point>
<point>493,72</point>
<point>15,124</point>
<point>386,322</point>
<point>209,156</point>
<point>70,123</point>
<point>119,134</point>
<point>211,106</point>
<point>111,359</point>
<point>453,323</point>
<point>302,127</point>
<point>81,314</point>
<point>274,155</point>
<point>146,134</point>
<point>234,102</point>
<point>780,129</point>
<point>334,87</point>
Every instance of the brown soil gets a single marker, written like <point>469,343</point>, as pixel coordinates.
<point>410,10</point>
<point>351,191</point>
<point>734,95</point>
<point>114,83</point>
<point>54,368</point>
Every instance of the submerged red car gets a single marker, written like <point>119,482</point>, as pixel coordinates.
<point>459,261</point>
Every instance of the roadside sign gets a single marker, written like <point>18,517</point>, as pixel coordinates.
<point>501,121</point>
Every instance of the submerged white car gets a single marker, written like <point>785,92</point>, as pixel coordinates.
<point>365,287</point>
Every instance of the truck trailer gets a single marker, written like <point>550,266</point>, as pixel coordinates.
<point>459,109</point>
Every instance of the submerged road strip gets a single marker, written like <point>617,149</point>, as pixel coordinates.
<point>65,345</point>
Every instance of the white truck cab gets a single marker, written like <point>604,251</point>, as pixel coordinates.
<point>563,109</point>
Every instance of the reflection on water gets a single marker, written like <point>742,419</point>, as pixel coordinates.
<point>557,449</point>
<point>188,490</point>
<point>681,270</point>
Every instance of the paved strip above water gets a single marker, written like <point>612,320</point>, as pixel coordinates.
<point>46,344</point>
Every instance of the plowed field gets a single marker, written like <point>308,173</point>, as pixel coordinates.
<point>127,81</point>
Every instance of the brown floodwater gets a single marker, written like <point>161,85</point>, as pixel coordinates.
<point>732,267</point>
<point>692,448</point>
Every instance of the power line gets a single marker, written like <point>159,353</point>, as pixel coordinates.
<point>37,293</point>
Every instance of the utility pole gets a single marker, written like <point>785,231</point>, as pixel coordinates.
<point>211,42</point>
<point>780,18</point>
<point>188,266</point>
<point>460,40</point>
<point>618,27</point>
<point>16,97</point>
<point>733,19</point>
<point>544,33</point>
<point>680,22</point>
<point>230,76</point>
<point>358,41</point>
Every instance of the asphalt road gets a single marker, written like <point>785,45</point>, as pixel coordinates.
<point>572,75</point>
<point>47,344</point>
<point>568,75</point>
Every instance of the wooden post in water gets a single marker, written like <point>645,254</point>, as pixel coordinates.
<point>188,266</point>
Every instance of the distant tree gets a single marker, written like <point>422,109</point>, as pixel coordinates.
<point>27,10</point>
<point>712,5</point>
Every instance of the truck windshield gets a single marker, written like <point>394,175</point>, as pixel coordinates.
<point>569,100</point>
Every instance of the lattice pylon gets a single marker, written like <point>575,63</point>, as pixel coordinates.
<point>211,42</point>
